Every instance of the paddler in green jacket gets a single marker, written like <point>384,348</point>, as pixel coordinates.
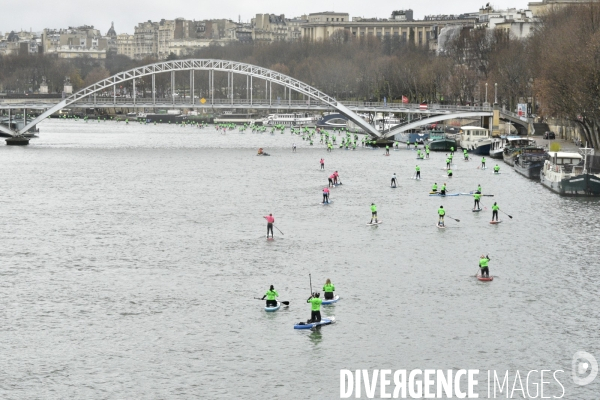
<point>495,209</point>
<point>443,190</point>
<point>315,309</point>
<point>434,188</point>
<point>476,206</point>
<point>451,150</point>
<point>449,173</point>
<point>441,213</point>
<point>387,150</point>
<point>496,169</point>
<point>478,189</point>
<point>373,213</point>
<point>483,264</point>
<point>466,154</point>
<point>328,289</point>
<point>271,295</point>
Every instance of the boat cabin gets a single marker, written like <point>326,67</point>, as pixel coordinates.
<point>474,133</point>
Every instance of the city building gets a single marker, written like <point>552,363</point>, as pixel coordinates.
<point>111,36</point>
<point>539,8</point>
<point>126,44</point>
<point>517,24</point>
<point>83,41</point>
<point>20,43</point>
<point>182,37</point>
<point>401,25</point>
<point>271,27</point>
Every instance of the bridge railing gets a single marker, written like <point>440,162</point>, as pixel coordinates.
<point>166,101</point>
<point>391,107</point>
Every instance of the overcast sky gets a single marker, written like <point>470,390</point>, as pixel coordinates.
<point>38,14</point>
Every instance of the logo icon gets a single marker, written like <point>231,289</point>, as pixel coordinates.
<point>584,363</point>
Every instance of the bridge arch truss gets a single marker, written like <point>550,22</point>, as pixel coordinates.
<point>211,65</point>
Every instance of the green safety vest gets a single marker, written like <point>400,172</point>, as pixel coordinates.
<point>451,148</point>
<point>441,211</point>
<point>328,288</point>
<point>483,262</point>
<point>496,168</point>
<point>373,208</point>
<point>271,294</point>
<point>417,168</point>
<point>315,303</point>
<point>477,196</point>
<point>495,207</point>
<point>449,171</point>
<point>434,187</point>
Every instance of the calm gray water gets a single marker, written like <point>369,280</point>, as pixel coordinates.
<point>130,256</point>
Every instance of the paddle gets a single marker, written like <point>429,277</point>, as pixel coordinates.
<point>278,229</point>
<point>310,280</point>
<point>285,303</point>
<point>457,220</point>
<point>509,216</point>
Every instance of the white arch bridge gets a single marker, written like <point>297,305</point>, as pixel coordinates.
<point>317,100</point>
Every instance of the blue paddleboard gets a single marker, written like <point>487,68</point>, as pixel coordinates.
<point>324,321</point>
<point>334,300</point>
<point>273,309</point>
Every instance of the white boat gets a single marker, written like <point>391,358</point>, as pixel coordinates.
<point>564,174</point>
<point>497,145</point>
<point>229,117</point>
<point>475,139</point>
<point>292,119</point>
<point>385,123</point>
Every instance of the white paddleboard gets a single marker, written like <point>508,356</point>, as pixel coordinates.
<point>374,223</point>
<point>440,226</point>
<point>495,222</point>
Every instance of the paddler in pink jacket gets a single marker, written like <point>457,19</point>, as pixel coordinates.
<point>270,221</point>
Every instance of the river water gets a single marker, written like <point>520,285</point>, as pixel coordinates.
<point>131,256</point>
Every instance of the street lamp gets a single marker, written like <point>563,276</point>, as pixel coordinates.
<point>486,93</point>
<point>495,93</point>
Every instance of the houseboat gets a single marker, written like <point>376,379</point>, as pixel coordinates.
<point>564,173</point>
<point>530,161</point>
<point>228,117</point>
<point>513,147</point>
<point>497,146</point>
<point>438,141</point>
<point>291,119</point>
<point>475,139</point>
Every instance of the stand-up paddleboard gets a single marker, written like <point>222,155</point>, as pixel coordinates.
<point>483,279</point>
<point>477,210</point>
<point>327,203</point>
<point>497,173</point>
<point>273,309</point>
<point>445,195</point>
<point>270,238</point>
<point>495,222</point>
<point>334,300</point>
<point>418,158</point>
<point>338,184</point>
<point>393,187</point>
<point>374,223</point>
<point>324,321</point>
<point>440,226</point>
<point>386,154</point>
